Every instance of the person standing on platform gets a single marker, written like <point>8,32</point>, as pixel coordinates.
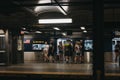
<point>82,51</point>
<point>60,51</point>
<point>117,50</point>
<point>68,49</point>
<point>51,51</point>
<point>45,52</point>
<point>78,52</point>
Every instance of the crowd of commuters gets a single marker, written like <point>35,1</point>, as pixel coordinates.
<point>66,52</point>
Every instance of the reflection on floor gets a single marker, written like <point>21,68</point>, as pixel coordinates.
<point>111,69</point>
<point>58,68</point>
<point>49,68</point>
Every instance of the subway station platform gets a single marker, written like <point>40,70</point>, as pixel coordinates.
<point>57,70</point>
<point>48,68</point>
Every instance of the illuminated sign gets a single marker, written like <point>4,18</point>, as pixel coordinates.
<point>36,42</point>
<point>27,41</point>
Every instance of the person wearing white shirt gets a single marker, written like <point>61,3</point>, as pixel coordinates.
<point>45,52</point>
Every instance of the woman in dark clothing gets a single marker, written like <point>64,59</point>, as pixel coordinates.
<point>68,51</point>
<point>51,51</point>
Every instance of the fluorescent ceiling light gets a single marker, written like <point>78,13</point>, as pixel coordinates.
<point>24,28</point>
<point>64,34</point>
<point>56,28</point>
<point>44,1</point>
<point>54,21</point>
<point>38,32</point>
<point>85,31</point>
<point>82,28</point>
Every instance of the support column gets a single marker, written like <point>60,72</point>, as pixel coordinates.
<point>98,39</point>
<point>7,46</point>
<point>17,47</point>
<point>14,46</point>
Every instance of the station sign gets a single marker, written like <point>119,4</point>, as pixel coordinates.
<point>38,42</point>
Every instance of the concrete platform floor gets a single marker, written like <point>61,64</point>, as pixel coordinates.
<point>48,68</point>
<point>111,69</point>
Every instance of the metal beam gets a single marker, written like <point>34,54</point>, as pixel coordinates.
<point>60,6</point>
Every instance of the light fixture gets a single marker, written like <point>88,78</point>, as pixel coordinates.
<point>56,28</point>
<point>82,28</point>
<point>24,28</point>
<point>26,32</point>
<point>85,31</point>
<point>38,32</point>
<point>2,35</point>
<point>55,21</point>
<point>1,31</point>
<point>64,34</point>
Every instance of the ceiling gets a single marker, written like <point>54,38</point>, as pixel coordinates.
<point>25,13</point>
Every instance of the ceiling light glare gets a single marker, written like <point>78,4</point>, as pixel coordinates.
<point>38,32</point>
<point>2,35</point>
<point>64,34</point>
<point>55,21</point>
<point>56,28</point>
<point>82,28</point>
<point>44,1</point>
<point>85,31</point>
<point>26,32</point>
<point>24,28</point>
